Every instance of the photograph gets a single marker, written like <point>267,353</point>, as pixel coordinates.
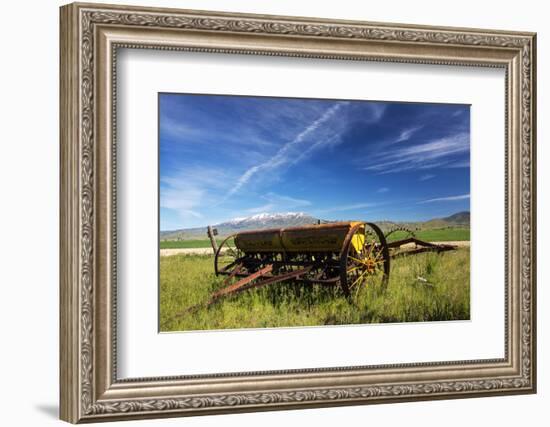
<point>303,212</point>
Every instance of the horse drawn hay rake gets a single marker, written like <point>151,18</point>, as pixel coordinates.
<point>349,255</point>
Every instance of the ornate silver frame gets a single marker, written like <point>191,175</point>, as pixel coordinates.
<point>90,36</point>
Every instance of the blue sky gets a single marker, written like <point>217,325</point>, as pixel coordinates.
<point>223,157</point>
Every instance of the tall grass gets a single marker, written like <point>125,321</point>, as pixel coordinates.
<point>424,287</point>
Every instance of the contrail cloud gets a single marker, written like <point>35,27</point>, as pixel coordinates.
<point>446,199</point>
<point>283,154</point>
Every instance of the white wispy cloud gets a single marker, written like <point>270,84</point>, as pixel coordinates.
<point>406,134</point>
<point>458,113</point>
<point>189,134</point>
<point>377,110</point>
<point>278,203</point>
<point>426,177</point>
<point>286,154</point>
<point>179,129</point>
<point>383,190</point>
<point>429,155</point>
<point>446,199</point>
<point>320,144</point>
<point>188,192</point>
<point>183,200</point>
<point>347,207</point>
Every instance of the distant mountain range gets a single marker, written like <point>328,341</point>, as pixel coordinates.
<point>459,218</point>
<point>254,222</point>
<point>292,219</point>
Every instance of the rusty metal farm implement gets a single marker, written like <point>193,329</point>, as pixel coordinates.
<point>349,255</point>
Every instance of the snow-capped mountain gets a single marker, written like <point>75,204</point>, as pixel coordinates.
<point>267,220</point>
<point>254,222</point>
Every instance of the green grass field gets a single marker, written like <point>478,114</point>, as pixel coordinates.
<point>436,235</point>
<point>433,235</point>
<point>186,280</point>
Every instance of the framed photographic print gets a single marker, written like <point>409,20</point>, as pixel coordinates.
<point>264,212</point>
<point>288,185</point>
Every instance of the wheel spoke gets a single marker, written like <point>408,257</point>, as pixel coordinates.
<point>360,261</point>
<point>368,266</point>
<point>361,276</point>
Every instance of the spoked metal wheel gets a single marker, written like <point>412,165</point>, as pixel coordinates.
<point>227,256</point>
<point>364,260</point>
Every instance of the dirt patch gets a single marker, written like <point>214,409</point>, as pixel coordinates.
<point>458,243</point>
<point>186,251</point>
